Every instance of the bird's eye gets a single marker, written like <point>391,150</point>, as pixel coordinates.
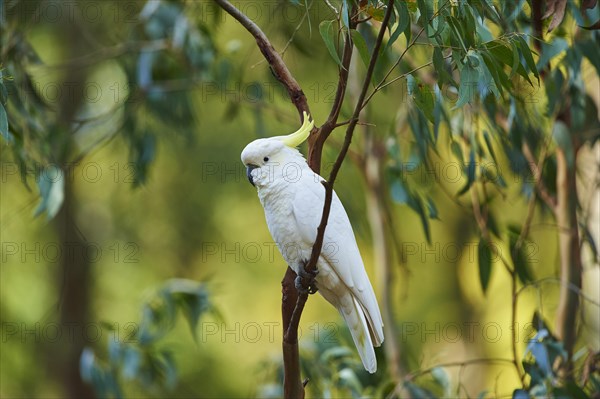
<point>266,159</point>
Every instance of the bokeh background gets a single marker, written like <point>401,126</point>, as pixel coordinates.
<point>195,216</point>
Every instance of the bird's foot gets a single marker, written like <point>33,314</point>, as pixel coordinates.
<point>306,280</point>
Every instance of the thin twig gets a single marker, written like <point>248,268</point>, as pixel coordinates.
<point>292,385</point>
<point>461,364</point>
<point>382,84</point>
<point>558,281</point>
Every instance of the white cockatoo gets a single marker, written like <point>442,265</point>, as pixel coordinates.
<point>292,196</point>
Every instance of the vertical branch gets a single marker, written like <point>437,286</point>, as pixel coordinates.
<point>570,258</point>
<point>318,245</point>
<point>74,282</point>
<point>383,255</point>
<point>311,266</point>
<point>565,212</point>
<point>292,384</point>
<point>293,388</point>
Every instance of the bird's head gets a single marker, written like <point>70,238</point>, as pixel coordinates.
<point>262,155</point>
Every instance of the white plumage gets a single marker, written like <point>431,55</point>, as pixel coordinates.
<point>292,196</point>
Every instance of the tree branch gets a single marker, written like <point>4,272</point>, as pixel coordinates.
<point>570,257</point>
<point>316,141</point>
<point>292,385</point>
<point>318,245</point>
<point>565,212</point>
<point>293,388</point>
<point>280,70</point>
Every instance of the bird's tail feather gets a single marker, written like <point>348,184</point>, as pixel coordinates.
<point>376,328</point>
<point>354,316</point>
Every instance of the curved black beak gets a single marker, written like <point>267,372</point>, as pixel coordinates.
<point>249,170</point>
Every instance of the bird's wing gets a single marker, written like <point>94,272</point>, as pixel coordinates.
<point>339,245</point>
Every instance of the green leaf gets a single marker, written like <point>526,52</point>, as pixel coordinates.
<point>471,171</point>
<point>457,151</point>
<point>512,9</point>
<point>326,30</point>
<point>4,125</point>
<point>349,379</point>
<point>487,81</point>
<point>484,257</point>
<point>441,377</point>
<point>143,151</point>
<point>526,51</point>
<point>426,8</point>
<point>417,205</point>
<point>519,258</point>
<point>432,209</point>
<point>562,137</point>
<point>51,183</point>
<point>87,362</point>
<point>422,96</point>
<point>589,48</point>
<point>520,394</point>
<point>345,14</point>
<point>492,12</point>
<point>403,22</point>
<point>417,392</point>
<point>572,390</point>
<point>493,225</point>
<point>131,362</point>
<point>191,297</point>
<point>490,147</point>
<point>335,353</point>
<point>497,72</point>
<point>399,192</point>
<point>3,93</point>
<point>439,114</point>
<point>469,77</point>
<point>499,50</point>
<point>438,62</point>
<point>551,50</point>
<point>516,59</point>
<point>377,13</point>
<point>361,46</point>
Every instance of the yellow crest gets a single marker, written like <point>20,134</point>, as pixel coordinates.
<point>295,139</point>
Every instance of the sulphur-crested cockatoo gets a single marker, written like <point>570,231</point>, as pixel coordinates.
<point>292,196</point>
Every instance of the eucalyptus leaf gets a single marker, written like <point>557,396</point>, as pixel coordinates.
<point>403,22</point>
<point>326,29</point>
<point>361,46</point>
<point>484,256</point>
<point>51,183</point>
<point>469,78</point>
<point>527,55</point>
<point>4,124</point>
